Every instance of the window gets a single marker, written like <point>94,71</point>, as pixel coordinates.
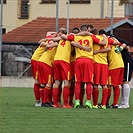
<point>4,2</point>
<point>23,9</point>
<point>48,1</point>
<point>3,31</point>
<point>80,1</point>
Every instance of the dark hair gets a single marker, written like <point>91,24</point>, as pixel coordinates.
<point>102,32</point>
<point>75,30</point>
<point>94,31</point>
<point>62,30</point>
<point>83,27</point>
<point>90,26</point>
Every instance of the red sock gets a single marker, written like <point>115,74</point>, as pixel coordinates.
<point>88,91</point>
<point>36,91</point>
<point>77,91</point>
<point>104,96</point>
<point>109,95</point>
<point>55,93</point>
<point>116,95</point>
<point>60,92</point>
<point>66,92</point>
<point>71,94</point>
<point>47,91</point>
<point>41,93</point>
<point>50,96</point>
<point>95,96</point>
<point>82,92</point>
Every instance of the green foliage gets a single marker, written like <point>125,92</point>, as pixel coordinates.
<point>19,115</point>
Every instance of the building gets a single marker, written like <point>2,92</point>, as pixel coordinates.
<point>19,12</point>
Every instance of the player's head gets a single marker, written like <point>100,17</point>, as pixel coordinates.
<point>83,28</point>
<point>90,27</point>
<point>61,31</point>
<point>94,31</point>
<point>54,35</point>
<point>102,32</point>
<point>75,30</point>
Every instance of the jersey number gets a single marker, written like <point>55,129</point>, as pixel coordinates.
<point>63,43</point>
<point>86,42</point>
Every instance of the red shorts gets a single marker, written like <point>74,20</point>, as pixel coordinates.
<point>72,69</point>
<point>61,70</point>
<point>100,74</point>
<point>84,70</point>
<point>45,73</point>
<point>116,76</point>
<point>34,65</point>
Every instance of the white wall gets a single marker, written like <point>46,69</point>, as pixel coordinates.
<point>24,82</point>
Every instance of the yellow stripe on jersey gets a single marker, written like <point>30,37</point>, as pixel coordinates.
<point>114,60</point>
<point>85,41</point>
<point>100,57</point>
<point>38,52</point>
<point>63,51</point>
<point>48,56</point>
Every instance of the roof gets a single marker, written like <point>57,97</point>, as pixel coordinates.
<point>119,24</point>
<point>37,29</point>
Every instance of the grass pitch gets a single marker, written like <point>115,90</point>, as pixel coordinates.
<point>19,115</point>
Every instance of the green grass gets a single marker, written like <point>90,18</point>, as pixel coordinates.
<point>19,115</point>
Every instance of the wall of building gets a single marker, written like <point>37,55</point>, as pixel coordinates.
<point>92,10</point>
<point>24,82</point>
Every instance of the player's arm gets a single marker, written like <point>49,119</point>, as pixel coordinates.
<point>102,50</point>
<point>43,40</point>
<point>98,41</point>
<point>86,48</point>
<point>56,39</point>
<point>43,43</point>
<point>51,45</point>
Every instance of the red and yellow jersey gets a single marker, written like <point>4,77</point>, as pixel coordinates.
<point>48,56</point>
<point>63,51</point>
<point>100,57</point>
<point>38,52</point>
<point>114,60</point>
<point>85,41</point>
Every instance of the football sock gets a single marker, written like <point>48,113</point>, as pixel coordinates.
<point>41,93</point>
<point>88,91</point>
<point>116,95</point>
<point>126,94</point>
<point>95,96</point>
<point>109,95</point>
<point>47,91</point>
<point>66,92</point>
<point>82,92</point>
<point>60,92</point>
<point>77,91</point>
<point>104,96</point>
<point>55,95</point>
<point>36,91</point>
<point>71,94</point>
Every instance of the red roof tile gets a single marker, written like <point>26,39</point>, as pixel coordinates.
<point>37,29</point>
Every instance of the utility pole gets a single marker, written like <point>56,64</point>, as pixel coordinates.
<point>112,17</point>
<point>1,12</point>
<point>57,13</point>
<point>68,5</point>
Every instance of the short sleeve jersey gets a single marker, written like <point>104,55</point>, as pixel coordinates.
<point>85,41</point>
<point>100,57</point>
<point>114,59</point>
<point>38,52</point>
<point>63,51</point>
<point>48,56</point>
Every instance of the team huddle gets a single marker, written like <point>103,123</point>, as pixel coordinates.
<point>67,66</point>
